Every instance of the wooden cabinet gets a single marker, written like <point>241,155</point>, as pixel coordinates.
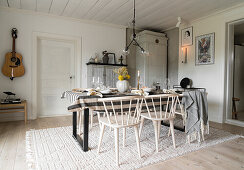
<point>152,66</point>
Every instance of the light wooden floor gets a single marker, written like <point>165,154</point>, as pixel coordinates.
<point>228,155</point>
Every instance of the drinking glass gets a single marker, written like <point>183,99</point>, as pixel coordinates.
<point>100,83</point>
<point>93,82</point>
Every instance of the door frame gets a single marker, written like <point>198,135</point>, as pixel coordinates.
<point>56,37</point>
<point>229,74</point>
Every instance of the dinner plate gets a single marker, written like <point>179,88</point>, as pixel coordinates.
<point>106,91</point>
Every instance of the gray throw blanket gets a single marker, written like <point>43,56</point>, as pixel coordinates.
<point>195,103</point>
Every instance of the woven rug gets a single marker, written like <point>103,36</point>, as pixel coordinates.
<point>55,148</point>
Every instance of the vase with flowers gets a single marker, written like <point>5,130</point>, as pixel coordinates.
<point>122,84</point>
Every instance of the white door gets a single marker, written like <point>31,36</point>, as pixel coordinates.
<point>55,75</point>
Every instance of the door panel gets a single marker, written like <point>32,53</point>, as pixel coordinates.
<point>55,66</point>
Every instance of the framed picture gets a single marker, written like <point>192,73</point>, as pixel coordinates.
<point>111,57</point>
<point>187,36</point>
<point>205,49</point>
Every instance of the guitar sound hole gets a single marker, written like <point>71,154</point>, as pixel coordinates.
<point>13,59</point>
<point>17,62</point>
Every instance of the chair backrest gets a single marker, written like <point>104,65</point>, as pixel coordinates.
<point>155,105</point>
<point>122,110</point>
<point>179,107</point>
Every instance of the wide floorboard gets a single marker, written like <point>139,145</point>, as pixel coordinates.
<point>228,155</point>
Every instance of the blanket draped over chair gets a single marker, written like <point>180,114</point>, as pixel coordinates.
<point>196,106</point>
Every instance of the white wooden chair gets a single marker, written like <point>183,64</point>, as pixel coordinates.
<point>154,111</point>
<point>120,112</point>
<point>179,110</point>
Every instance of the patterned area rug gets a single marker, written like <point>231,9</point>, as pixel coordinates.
<point>55,148</point>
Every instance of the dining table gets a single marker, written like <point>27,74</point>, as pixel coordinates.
<point>80,101</point>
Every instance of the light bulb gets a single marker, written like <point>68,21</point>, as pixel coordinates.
<point>126,51</point>
<point>145,52</point>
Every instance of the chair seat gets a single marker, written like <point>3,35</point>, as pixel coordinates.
<point>118,124</point>
<point>154,117</point>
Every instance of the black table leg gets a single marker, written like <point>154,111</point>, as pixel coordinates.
<point>75,125</point>
<point>86,129</point>
<point>175,127</point>
<point>83,142</point>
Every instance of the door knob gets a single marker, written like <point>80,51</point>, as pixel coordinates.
<point>71,77</point>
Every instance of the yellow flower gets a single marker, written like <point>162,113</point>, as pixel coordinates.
<point>121,77</point>
<point>128,76</point>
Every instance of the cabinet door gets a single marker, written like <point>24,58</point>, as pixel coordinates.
<point>110,76</point>
<point>95,73</point>
<point>156,64</point>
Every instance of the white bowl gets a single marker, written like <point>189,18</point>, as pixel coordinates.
<point>108,91</point>
<point>148,89</point>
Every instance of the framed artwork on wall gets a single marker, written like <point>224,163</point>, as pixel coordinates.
<point>205,49</point>
<point>187,36</point>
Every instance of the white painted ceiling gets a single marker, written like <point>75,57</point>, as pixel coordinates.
<point>150,14</point>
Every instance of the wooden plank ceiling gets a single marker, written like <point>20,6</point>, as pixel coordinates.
<point>150,14</point>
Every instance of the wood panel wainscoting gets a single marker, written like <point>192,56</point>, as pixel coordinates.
<point>227,155</point>
<point>14,108</point>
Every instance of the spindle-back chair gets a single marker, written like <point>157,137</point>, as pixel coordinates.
<point>179,110</point>
<point>120,112</point>
<point>156,112</point>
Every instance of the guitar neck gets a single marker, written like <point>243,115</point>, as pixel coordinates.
<point>13,46</point>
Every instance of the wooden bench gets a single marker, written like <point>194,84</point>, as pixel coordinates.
<point>14,108</point>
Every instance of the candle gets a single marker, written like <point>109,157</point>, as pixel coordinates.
<point>138,80</point>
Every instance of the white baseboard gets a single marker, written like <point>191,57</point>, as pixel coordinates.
<point>18,118</point>
<point>67,114</point>
<point>234,122</point>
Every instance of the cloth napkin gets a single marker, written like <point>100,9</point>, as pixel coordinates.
<point>169,91</point>
<point>140,92</point>
<point>93,92</point>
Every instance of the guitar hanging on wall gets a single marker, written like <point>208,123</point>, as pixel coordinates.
<point>13,66</point>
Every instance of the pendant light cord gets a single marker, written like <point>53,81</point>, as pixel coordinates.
<point>134,32</point>
<point>134,19</point>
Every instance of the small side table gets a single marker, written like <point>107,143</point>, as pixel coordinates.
<point>234,110</point>
<point>14,108</point>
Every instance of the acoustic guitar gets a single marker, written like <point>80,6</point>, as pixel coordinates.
<point>13,66</point>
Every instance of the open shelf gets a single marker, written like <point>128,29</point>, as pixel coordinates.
<point>120,65</point>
